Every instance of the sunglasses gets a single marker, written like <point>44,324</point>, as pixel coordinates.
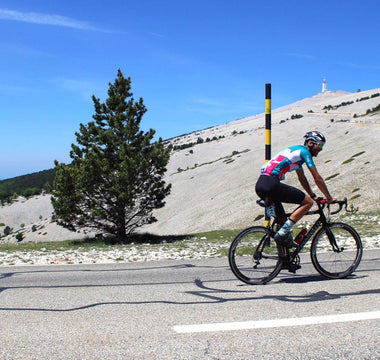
<point>321,144</point>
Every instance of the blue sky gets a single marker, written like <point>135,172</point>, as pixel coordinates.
<point>196,63</point>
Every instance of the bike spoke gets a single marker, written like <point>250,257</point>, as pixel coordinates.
<point>253,256</point>
<point>336,251</point>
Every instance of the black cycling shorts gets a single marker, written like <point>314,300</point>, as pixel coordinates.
<point>272,188</point>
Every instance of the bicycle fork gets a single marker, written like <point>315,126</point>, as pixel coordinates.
<point>332,240</point>
<point>265,242</point>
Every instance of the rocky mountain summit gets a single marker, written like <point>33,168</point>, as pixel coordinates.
<point>213,181</point>
<point>213,171</point>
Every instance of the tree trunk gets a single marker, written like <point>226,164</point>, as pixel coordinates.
<point>121,234</point>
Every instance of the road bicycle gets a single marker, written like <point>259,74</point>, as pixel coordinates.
<point>336,248</point>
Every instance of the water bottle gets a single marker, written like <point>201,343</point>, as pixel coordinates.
<point>300,236</point>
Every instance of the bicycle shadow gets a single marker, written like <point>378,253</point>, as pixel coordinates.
<point>212,293</point>
<point>302,279</point>
<point>224,289</point>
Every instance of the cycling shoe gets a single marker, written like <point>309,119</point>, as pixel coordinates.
<point>291,267</point>
<point>285,240</point>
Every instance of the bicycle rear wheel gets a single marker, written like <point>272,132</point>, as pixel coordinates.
<point>253,256</point>
<point>336,251</point>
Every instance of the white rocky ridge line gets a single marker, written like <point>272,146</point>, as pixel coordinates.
<point>127,254</point>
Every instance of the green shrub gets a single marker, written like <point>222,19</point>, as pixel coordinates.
<point>355,196</point>
<point>332,176</point>
<point>19,237</point>
<point>347,161</point>
<point>7,230</point>
<point>31,192</point>
<point>358,154</point>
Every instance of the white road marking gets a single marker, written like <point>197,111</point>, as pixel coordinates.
<point>261,324</point>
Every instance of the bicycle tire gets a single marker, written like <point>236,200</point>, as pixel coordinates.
<point>253,256</point>
<point>336,264</point>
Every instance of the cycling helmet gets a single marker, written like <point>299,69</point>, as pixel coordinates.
<point>315,136</point>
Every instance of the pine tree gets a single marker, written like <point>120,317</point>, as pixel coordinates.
<point>115,180</point>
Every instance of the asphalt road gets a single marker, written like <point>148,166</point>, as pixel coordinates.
<point>138,311</point>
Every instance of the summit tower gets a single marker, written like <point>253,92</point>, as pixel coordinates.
<point>324,85</point>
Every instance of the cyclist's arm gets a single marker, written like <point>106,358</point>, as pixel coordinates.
<point>303,181</point>
<point>321,185</point>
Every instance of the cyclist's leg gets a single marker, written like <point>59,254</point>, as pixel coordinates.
<point>302,210</point>
<point>280,211</point>
<point>289,194</point>
<point>271,187</point>
<point>266,186</point>
<point>281,215</point>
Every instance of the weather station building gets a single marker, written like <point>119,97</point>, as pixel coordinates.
<point>324,85</point>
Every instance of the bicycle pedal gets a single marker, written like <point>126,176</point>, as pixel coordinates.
<point>291,267</point>
<point>294,268</point>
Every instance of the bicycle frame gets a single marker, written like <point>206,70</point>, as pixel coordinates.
<point>255,257</point>
<point>320,222</point>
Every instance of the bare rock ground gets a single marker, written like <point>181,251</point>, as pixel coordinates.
<point>213,182</point>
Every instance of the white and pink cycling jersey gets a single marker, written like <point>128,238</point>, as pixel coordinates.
<point>286,160</point>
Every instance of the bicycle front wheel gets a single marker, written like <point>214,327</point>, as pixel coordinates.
<point>253,256</point>
<point>336,250</point>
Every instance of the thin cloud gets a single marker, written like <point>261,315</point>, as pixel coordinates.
<point>220,106</point>
<point>158,35</point>
<point>359,66</point>
<point>8,89</point>
<point>82,87</point>
<point>302,56</point>
<point>21,50</point>
<point>47,19</point>
<point>208,102</point>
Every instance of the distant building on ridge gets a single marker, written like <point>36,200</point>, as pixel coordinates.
<point>324,85</point>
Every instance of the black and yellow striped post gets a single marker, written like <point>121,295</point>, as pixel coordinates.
<point>268,129</point>
<point>268,121</point>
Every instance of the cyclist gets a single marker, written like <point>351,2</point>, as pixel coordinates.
<point>269,184</point>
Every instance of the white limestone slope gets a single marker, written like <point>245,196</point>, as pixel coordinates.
<point>218,193</point>
<point>215,187</point>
